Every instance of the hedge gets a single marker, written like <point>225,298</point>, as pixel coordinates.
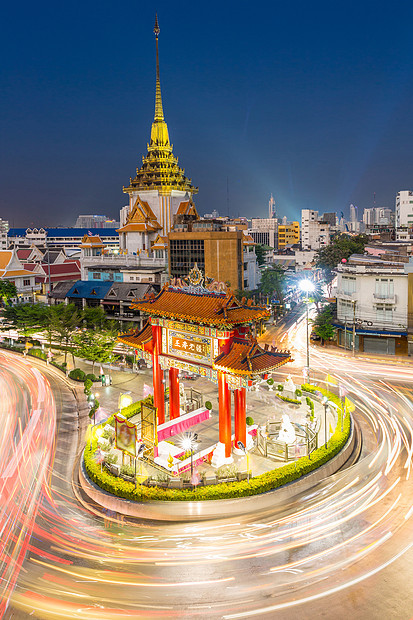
<point>258,484</point>
<point>289,400</point>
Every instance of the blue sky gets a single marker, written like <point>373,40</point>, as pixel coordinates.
<point>309,101</point>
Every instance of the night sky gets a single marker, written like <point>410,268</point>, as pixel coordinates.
<point>311,101</point>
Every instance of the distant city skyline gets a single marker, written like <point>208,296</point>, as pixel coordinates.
<point>304,102</point>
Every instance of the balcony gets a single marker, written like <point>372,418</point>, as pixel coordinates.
<point>385,298</point>
<point>345,295</point>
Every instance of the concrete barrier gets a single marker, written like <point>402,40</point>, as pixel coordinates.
<point>215,509</point>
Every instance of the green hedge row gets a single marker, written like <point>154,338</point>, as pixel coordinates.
<point>258,484</point>
<point>289,400</point>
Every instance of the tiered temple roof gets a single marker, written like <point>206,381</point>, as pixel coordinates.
<point>160,170</point>
<point>248,358</point>
<point>210,308</point>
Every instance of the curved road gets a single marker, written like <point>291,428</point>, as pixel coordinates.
<point>342,549</point>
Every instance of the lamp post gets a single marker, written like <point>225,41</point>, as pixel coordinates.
<point>244,449</point>
<point>189,443</point>
<point>307,286</point>
<point>140,451</point>
<point>325,405</point>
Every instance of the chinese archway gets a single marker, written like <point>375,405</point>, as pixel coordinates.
<point>204,329</point>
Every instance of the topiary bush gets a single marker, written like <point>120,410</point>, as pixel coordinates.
<point>298,392</point>
<point>208,405</point>
<point>88,386</point>
<point>270,381</point>
<point>280,387</point>
<point>92,377</point>
<point>77,374</point>
<point>258,484</point>
<point>249,421</point>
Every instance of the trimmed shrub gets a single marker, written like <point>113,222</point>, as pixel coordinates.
<point>280,387</point>
<point>294,401</point>
<point>270,381</point>
<point>92,377</point>
<point>258,484</point>
<point>249,421</point>
<point>38,353</point>
<point>298,392</point>
<point>77,374</point>
<point>208,405</point>
<point>88,386</point>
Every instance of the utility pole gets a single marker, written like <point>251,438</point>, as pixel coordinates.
<point>345,334</point>
<point>354,327</point>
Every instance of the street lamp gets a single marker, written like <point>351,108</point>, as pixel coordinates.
<point>326,403</point>
<point>307,286</point>
<point>189,443</point>
<point>244,449</point>
<point>140,451</point>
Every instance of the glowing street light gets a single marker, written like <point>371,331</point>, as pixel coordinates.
<point>326,404</point>
<point>307,286</point>
<point>189,442</point>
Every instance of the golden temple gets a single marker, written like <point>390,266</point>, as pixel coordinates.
<point>159,170</point>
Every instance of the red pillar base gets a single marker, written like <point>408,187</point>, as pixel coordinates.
<point>224,399</point>
<point>173,394</point>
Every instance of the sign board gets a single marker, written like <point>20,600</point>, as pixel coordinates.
<point>190,346</point>
<point>125,433</point>
<point>149,433</point>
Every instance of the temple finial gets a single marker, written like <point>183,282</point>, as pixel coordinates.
<point>158,97</point>
<point>156,29</point>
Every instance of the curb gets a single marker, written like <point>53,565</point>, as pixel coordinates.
<point>214,509</point>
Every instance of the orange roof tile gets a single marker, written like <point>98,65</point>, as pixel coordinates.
<point>137,338</point>
<point>140,227</point>
<point>248,358</point>
<point>205,307</point>
<point>5,258</point>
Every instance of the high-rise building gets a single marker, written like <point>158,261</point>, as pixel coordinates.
<point>160,188</point>
<point>315,233</point>
<point>404,209</point>
<point>4,229</point>
<point>264,231</point>
<point>271,208</point>
<point>95,221</point>
<point>288,234</point>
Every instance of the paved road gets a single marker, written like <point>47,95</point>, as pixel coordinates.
<point>341,550</point>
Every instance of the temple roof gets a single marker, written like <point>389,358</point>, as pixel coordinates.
<point>201,307</point>
<point>160,168</point>
<point>137,339</point>
<point>248,358</point>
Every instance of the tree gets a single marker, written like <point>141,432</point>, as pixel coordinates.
<point>7,291</point>
<point>26,318</point>
<point>94,316</point>
<point>341,248</point>
<point>323,324</point>
<point>260,252</point>
<point>272,282</point>
<point>96,347</point>
<point>63,321</point>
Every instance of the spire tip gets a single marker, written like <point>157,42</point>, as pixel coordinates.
<point>156,29</point>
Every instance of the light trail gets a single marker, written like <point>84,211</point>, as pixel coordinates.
<point>343,531</point>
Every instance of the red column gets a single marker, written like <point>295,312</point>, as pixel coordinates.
<point>173,393</point>
<point>158,391</point>
<point>224,399</point>
<point>240,416</point>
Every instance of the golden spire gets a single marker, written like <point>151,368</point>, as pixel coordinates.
<point>158,97</point>
<point>159,131</point>
<point>160,169</point>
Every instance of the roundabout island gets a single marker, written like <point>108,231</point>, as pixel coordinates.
<point>185,445</point>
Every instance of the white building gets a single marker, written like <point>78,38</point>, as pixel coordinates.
<point>95,221</point>
<point>4,229</point>
<point>377,216</point>
<point>372,296</point>
<point>404,215</point>
<point>252,273</point>
<point>315,233</point>
<point>264,230</point>
<point>13,271</point>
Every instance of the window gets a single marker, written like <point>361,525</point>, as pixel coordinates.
<point>184,254</point>
<point>345,310</point>
<point>384,313</point>
<point>384,288</point>
<point>96,275</point>
<point>348,285</point>
<point>26,282</point>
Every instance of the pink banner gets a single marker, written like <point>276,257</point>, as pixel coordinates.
<point>183,423</point>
